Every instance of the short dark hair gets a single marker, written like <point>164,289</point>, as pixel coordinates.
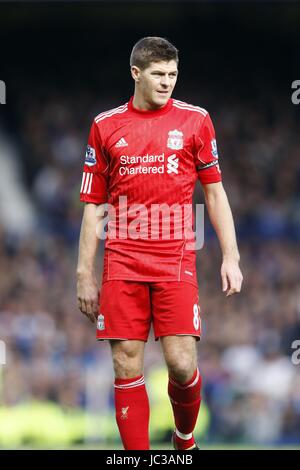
<point>152,49</point>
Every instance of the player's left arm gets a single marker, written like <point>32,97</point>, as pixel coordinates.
<point>221,218</point>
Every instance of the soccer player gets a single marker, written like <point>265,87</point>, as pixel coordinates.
<point>143,158</point>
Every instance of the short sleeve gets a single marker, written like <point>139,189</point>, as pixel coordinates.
<point>206,158</point>
<point>94,184</point>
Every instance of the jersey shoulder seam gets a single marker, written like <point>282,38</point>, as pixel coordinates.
<point>110,113</point>
<point>189,107</point>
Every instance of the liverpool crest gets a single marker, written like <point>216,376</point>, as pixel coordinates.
<point>175,140</point>
<point>100,322</point>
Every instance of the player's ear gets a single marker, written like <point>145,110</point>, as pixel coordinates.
<point>135,73</point>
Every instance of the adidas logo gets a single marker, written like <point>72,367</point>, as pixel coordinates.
<point>122,143</point>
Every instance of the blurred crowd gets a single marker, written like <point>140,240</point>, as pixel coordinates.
<point>250,384</point>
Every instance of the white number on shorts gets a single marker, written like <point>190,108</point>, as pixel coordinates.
<point>196,320</point>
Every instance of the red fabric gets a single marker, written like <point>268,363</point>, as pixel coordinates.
<point>127,309</point>
<point>150,158</point>
<point>185,400</point>
<point>132,414</point>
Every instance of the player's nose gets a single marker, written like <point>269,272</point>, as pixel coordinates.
<point>165,81</point>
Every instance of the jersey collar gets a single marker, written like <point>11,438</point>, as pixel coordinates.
<point>152,113</point>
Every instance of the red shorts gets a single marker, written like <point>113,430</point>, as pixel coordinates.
<point>127,309</point>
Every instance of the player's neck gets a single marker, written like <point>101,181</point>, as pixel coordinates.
<point>141,104</point>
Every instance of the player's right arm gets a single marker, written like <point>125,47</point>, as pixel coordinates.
<point>94,191</point>
<point>87,283</point>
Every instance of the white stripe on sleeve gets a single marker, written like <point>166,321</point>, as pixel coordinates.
<point>87,179</point>
<point>90,185</point>
<point>82,183</point>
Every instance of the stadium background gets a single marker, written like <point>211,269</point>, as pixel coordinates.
<point>65,63</point>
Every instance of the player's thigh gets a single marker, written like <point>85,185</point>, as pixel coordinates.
<point>124,311</point>
<point>175,309</point>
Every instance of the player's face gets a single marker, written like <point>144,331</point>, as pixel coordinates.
<point>157,82</point>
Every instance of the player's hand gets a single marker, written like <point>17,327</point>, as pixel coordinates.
<point>88,296</point>
<point>232,277</point>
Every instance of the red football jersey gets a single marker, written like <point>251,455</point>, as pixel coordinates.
<point>145,165</point>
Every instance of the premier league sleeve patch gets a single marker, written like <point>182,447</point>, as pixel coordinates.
<point>214,150</point>
<point>90,156</point>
